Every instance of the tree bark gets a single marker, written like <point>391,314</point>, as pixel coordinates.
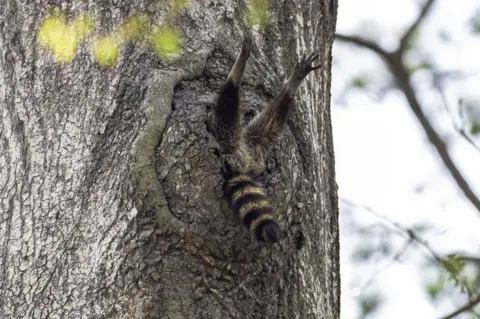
<point>110,185</point>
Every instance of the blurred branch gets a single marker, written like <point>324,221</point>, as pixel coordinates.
<point>469,306</point>
<point>403,80</point>
<point>406,232</point>
<point>410,31</point>
<point>363,43</point>
<point>400,72</point>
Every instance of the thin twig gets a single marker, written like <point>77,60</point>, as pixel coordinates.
<point>464,134</point>
<point>406,232</point>
<point>363,43</point>
<point>437,83</point>
<point>471,259</point>
<point>410,31</point>
<point>469,306</point>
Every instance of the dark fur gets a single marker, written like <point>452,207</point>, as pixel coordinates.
<point>245,149</point>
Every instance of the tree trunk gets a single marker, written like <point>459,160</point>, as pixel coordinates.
<point>110,185</point>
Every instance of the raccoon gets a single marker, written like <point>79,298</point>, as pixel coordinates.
<point>245,148</point>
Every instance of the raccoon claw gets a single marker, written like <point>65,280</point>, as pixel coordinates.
<point>304,66</point>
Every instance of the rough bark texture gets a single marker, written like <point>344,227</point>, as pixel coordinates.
<point>87,230</point>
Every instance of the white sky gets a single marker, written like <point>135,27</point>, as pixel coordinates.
<point>383,157</point>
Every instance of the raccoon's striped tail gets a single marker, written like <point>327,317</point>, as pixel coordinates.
<point>248,199</point>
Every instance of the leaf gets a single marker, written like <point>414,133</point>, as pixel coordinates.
<point>475,128</point>
<point>363,253</point>
<point>475,23</point>
<point>49,30</point>
<point>83,24</point>
<point>454,265</point>
<point>444,36</point>
<point>258,13</point>
<point>434,289</point>
<point>369,304</point>
<point>134,28</point>
<point>62,38</point>
<point>359,82</point>
<point>179,5</point>
<point>424,65</point>
<point>106,51</point>
<point>476,27</point>
<point>413,39</point>
<point>167,42</point>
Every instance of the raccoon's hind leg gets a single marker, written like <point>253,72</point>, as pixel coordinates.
<point>225,120</point>
<point>267,127</point>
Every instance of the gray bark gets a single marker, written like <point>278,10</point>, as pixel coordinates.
<point>110,185</point>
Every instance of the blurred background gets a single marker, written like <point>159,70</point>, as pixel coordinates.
<point>406,121</point>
